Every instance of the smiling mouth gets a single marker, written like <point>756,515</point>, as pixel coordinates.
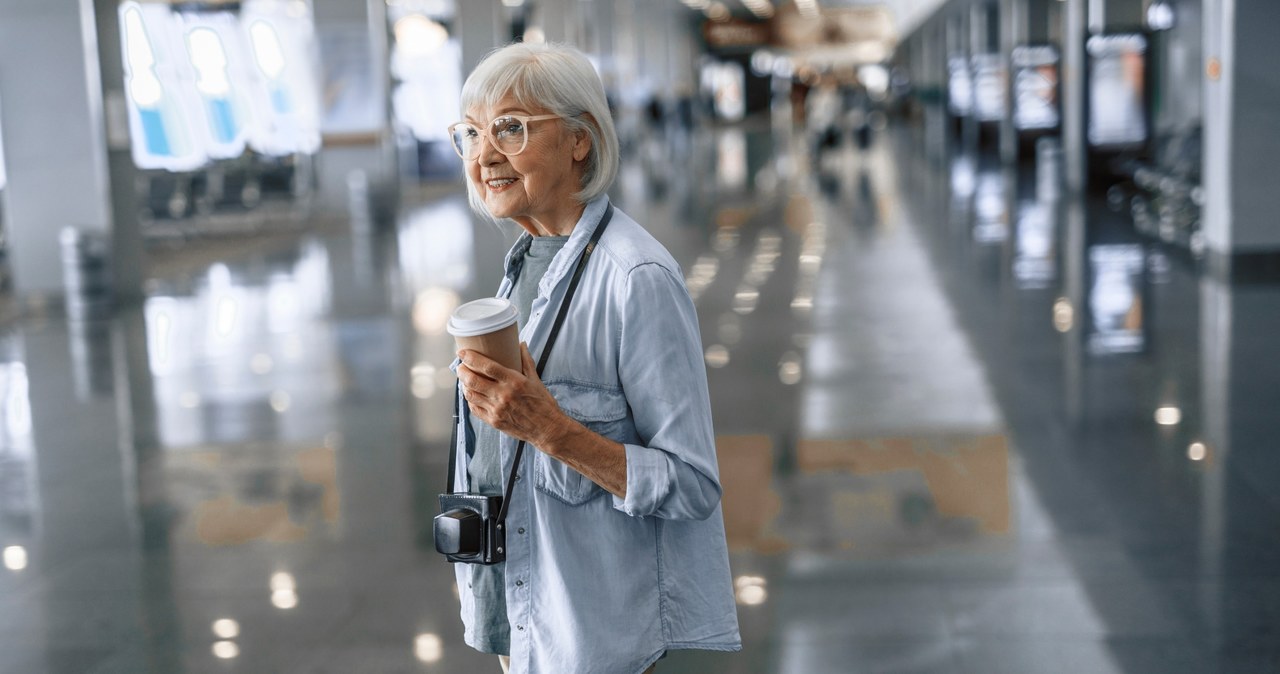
<point>499,183</point>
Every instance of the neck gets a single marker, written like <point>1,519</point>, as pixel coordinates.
<point>560,225</point>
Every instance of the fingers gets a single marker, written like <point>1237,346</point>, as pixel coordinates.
<point>526,359</point>
<point>480,363</point>
<point>474,385</point>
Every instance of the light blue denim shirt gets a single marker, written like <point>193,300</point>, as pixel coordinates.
<point>595,583</point>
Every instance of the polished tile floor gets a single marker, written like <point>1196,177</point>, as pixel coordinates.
<point>964,424</point>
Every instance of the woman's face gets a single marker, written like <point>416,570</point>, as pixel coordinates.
<point>535,188</point>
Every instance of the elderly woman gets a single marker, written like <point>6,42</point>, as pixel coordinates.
<point>615,540</point>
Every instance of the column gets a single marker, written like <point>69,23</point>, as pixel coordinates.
<point>480,31</point>
<point>128,263</point>
<point>1240,140</point>
<point>1013,31</point>
<point>1073,140</point>
<point>555,18</point>
<point>53,136</point>
<point>356,130</point>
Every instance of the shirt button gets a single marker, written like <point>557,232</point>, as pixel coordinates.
<point>520,530</point>
<point>517,477</point>
<point>520,627</point>
<point>519,583</point>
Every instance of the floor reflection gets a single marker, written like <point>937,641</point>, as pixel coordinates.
<point>965,423</point>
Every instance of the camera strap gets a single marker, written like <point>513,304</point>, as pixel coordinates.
<point>542,363</point>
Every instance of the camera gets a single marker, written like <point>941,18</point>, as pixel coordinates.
<point>467,529</point>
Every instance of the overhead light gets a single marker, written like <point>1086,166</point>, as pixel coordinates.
<point>761,8</point>
<point>717,11</point>
<point>1160,15</point>
<point>1197,451</point>
<point>808,8</point>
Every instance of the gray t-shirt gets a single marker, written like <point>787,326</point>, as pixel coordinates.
<point>493,632</point>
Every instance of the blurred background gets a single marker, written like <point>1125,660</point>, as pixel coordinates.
<point>987,291</point>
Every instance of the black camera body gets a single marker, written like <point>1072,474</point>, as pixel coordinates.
<point>467,529</point>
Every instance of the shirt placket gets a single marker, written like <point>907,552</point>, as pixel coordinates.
<point>519,513</point>
<point>521,534</point>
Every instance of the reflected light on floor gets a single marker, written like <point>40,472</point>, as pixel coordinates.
<point>281,401</point>
<point>226,316</point>
<point>744,300</point>
<point>730,329</point>
<point>226,628</point>
<point>261,364</point>
<point>750,590</point>
<point>423,381</point>
<point>283,580</point>
<point>15,558</point>
<point>431,310</point>
<point>717,356</point>
<point>226,649</point>
<point>1063,315</point>
<point>790,369</point>
<point>293,349</point>
<point>1168,416</point>
<point>428,648</point>
<point>702,275</point>
<point>284,588</point>
<point>160,350</point>
<point>725,240</point>
<point>285,599</point>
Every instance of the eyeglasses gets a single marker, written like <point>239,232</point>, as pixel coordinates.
<point>509,135</point>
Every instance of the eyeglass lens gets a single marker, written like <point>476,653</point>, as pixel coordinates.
<point>508,134</point>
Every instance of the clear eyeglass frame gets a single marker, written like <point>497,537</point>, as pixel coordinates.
<point>495,138</point>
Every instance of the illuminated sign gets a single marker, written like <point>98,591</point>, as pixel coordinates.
<point>736,33</point>
<point>1035,88</point>
<point>160,118</point>
<point>1117,90</point>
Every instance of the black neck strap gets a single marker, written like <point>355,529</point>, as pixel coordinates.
<point>542,363</point>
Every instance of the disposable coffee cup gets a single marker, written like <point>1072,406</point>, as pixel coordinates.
<point>489,326</point>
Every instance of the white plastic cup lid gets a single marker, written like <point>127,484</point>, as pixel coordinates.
<point>482,316</point>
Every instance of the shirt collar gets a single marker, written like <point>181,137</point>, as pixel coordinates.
<point>568,256</point>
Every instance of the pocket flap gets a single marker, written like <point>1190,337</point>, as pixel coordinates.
<point>588,402</point>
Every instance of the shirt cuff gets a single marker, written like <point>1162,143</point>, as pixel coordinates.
<point>648,481</point>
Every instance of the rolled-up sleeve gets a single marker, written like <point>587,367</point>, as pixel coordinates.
<point>673,474</point>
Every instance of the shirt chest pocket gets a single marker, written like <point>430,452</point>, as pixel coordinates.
<point>601,410</point>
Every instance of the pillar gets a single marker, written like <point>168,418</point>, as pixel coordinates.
<point>1240,140</point>
<point>51,86</point>
<point>1074,30</point>
<point>356,130</point>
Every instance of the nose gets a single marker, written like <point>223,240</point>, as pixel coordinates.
<point>488,153</point>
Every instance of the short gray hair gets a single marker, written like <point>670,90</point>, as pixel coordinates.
<point>560,79</point>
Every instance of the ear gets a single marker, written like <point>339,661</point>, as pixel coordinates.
<point>582,141</point>
<point>581,145</point>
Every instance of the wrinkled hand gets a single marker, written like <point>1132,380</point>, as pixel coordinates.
<point>514,403</point>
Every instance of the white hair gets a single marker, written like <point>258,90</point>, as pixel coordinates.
<point>560,79</point>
